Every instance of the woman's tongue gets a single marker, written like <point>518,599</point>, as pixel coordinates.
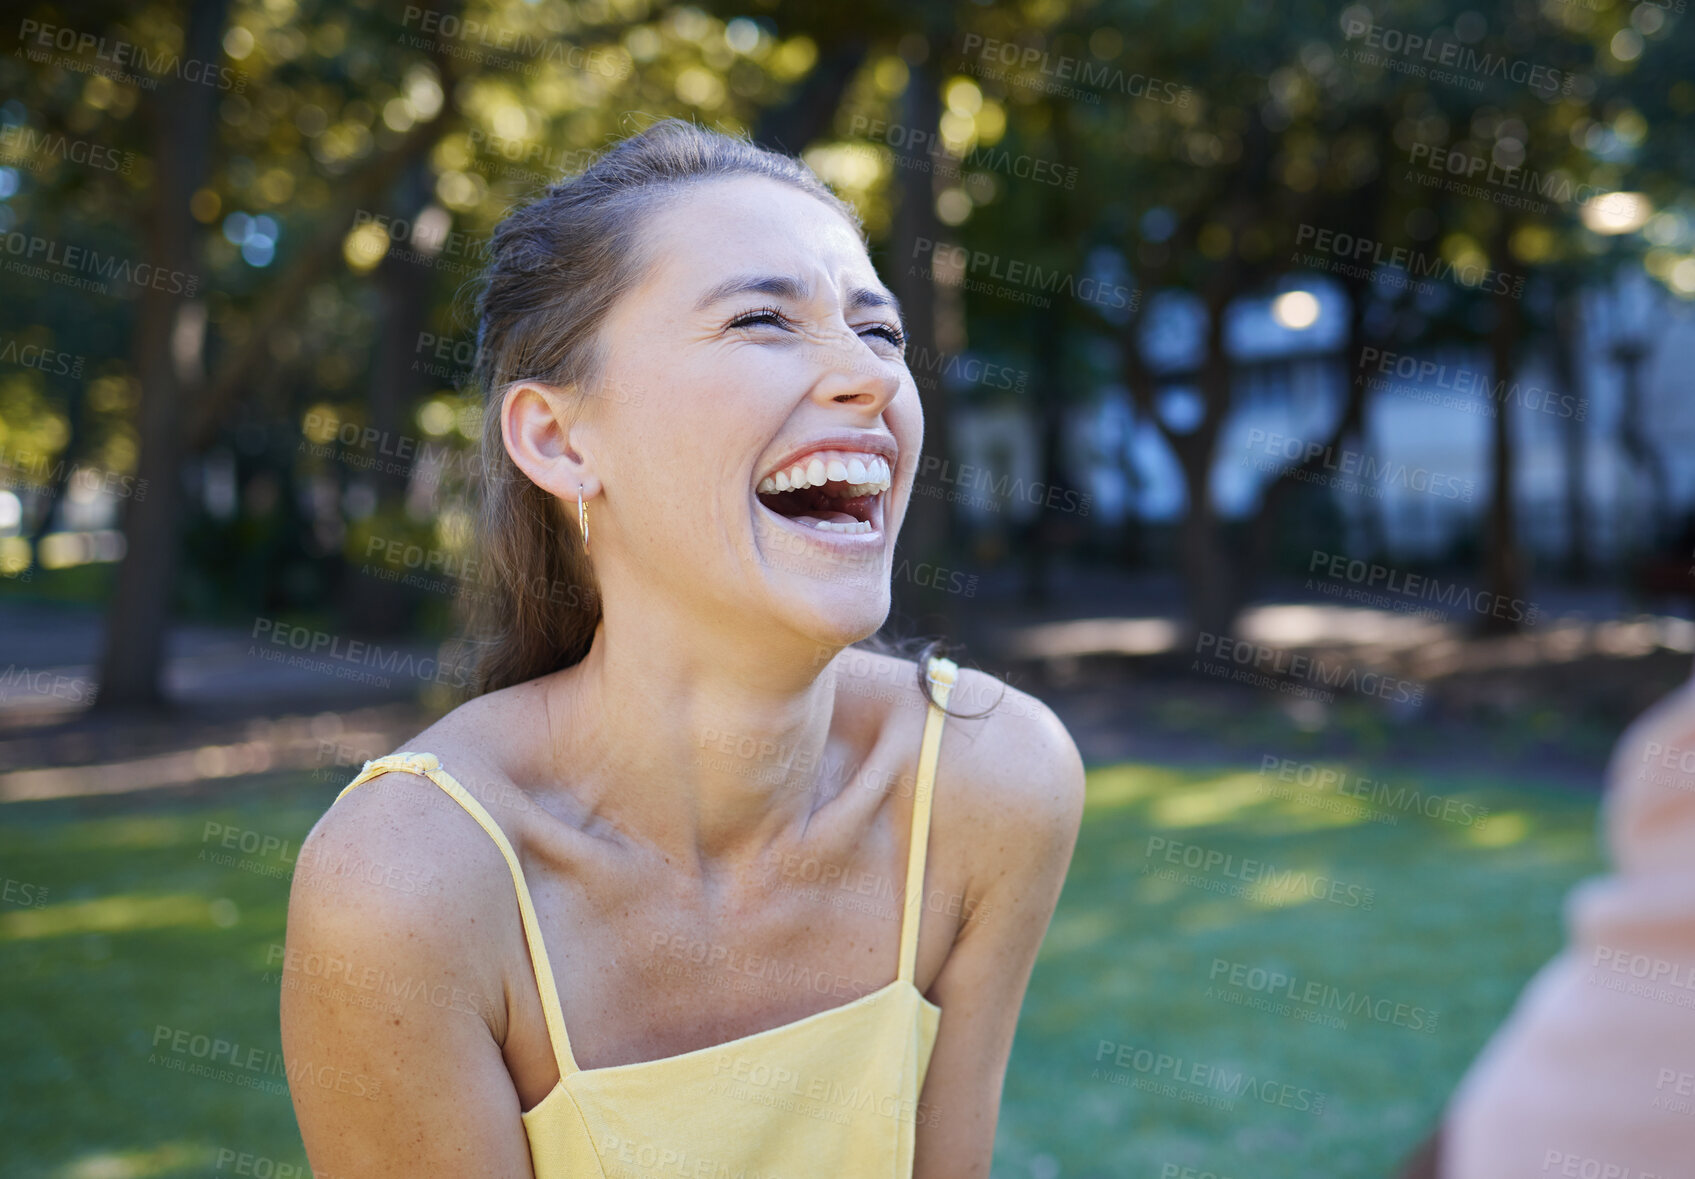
<point>827,515</point>
<point>815,504</point>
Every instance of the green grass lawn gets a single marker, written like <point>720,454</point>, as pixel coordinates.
<point>1139,962</point>
<point>1125,1063</point>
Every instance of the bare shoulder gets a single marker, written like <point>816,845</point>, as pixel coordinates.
<point>405,816</point>
<point>1008,776</point>
<point>398,876</point>
<point>401,939</point>
<point>1013,768</point>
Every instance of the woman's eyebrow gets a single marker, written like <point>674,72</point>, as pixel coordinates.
<point>779,285</point>
<point>784,286</point>
<point>874,297</point>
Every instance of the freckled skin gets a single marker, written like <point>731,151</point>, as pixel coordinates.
<point>637,835</point>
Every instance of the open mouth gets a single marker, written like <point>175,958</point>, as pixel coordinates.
<point>838,491</point>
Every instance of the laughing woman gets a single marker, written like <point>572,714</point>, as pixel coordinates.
<point>693,886</point>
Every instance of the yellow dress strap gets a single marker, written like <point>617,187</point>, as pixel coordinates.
<point>942,673</point>
<point>426,765</point>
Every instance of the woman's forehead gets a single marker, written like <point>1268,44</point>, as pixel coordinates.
<point>754,224</point>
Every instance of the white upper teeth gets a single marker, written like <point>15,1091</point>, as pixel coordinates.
<point>865,474</point>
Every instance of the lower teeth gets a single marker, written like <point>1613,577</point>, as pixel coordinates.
<point>840,526</point>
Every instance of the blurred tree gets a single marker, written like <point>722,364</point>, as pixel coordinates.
<point>298,186</point>
<point>169,335</point>
<point>352,132</point>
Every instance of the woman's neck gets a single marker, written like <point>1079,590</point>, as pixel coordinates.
<point>702,746</point>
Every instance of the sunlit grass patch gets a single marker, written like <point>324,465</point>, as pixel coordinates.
<point>1417,906</point>
<point>139,920</point>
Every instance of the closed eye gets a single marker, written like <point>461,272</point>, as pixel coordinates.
<point>774,317</point>
<point>767,316</point>
<point>889,332</point>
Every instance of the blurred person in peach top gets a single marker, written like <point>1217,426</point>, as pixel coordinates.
<point>1593,1073</point>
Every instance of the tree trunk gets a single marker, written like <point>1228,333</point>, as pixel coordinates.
<point>167,341</point>
<point>1350,423</point>
<point>1568,332</point>
<point>1503,559</point>
<point>925,535</point>
<point>1211,574</point>
<point>376,606</point>
<point>812,109</point>
<point>1633,438</point>
<point>1040,542</point>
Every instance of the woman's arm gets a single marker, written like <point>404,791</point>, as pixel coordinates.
<point>393,1002</point>
<point>1015,799</point>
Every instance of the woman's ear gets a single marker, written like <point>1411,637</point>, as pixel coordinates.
<point>546,437</point>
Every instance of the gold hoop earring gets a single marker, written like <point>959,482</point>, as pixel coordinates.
<point>583,519</point>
